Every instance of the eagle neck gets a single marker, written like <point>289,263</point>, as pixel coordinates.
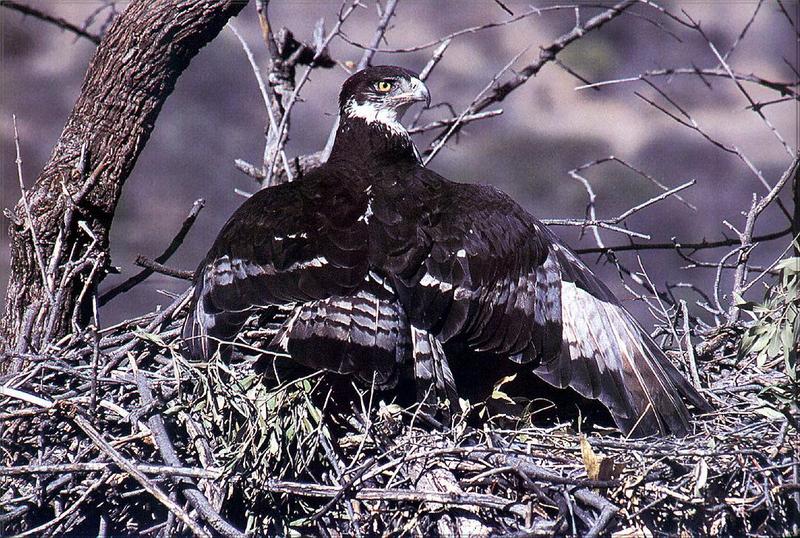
<point>374,142</point>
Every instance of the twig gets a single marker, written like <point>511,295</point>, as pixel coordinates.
<point>607,511</point>
<point>548,54</point>
<point>687,334</point>
<point>582,223</point>
<point>768,269</point>
<point>155,267</point>
<point>92,467</point>
<point>39,530</point>
<point>703,245</point>
<point>137,475</point>
<point>451,121</point>
<point>394,494</point>
<point>42,16</point>
<point>744,30</point>
<point>265,95</point>
<point>746,237</point>
<point>170,456</point>
<point>435,59</point>
<point>782,87</point>
<point>378,35</point>
<point>36,248</point>
<point>464,31</point>
<point>344,14</point>
<point>652,201</point>
<point>609,223</point>
<point>635,169</point>
<point>688,122</point>
<point>757,110</point>
<point>176,242</point>
<point>440,141</point>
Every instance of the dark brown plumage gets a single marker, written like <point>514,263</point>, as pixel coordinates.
<point>386,261</point>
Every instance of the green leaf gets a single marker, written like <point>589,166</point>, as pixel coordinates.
<point>789,265</point>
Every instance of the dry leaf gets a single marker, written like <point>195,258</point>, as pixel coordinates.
<point>599,467</point>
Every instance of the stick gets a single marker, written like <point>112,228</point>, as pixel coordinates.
<point>42,16</point>
<point>155,267</point>
<point>176,242</point>
<point>92,467</point>
<point>137,475</point>
<point>36,248</point>
<point>167,450</point>
<point>380,31</point>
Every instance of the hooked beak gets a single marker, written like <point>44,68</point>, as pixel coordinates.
<point>416,92</point>
<point>421,92</point>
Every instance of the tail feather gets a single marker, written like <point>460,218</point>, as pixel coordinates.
<point>432,374</point>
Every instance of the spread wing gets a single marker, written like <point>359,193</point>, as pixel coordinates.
<point>295,243</point>
<point>471,264</point>
<point>482,270</point>
<point>607,355</point>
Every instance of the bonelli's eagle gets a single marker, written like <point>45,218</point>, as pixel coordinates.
<point>384,261</point>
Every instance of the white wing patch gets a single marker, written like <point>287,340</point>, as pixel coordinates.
<point>431,282</point>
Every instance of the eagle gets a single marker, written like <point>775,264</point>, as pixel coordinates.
<point>385,263</point>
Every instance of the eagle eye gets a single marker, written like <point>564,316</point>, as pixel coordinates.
<point>384,86</point>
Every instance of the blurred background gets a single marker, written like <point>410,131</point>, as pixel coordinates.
<point>547,127</point>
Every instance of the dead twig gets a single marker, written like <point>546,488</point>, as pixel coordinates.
<point>57,21</point>
<point>155,265</point>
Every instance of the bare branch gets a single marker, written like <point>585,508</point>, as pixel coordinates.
<point>58,21</point>
<point>451,121</point>
<point>435,59</point>
<point>744,30</point>
<point>272,135</point>
<point>609,223</point>
<point>137,475</point>
<point>546,55</point>
<point>678,245</point>
<point>155,267</point>
<point>746,236</point>
<point>755,108</point>
<point>176,242</point>
<point>29,220</point>
<point>439,143</point>
<point>380,32</point>
<point>784,88</point>
<point>344,14</point>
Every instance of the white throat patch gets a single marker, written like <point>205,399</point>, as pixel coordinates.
<point>370,113</point>
<point>387,118</point>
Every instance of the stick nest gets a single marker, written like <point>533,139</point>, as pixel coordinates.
<point>116,432</point>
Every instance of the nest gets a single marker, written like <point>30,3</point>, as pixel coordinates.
<point>115,432</point>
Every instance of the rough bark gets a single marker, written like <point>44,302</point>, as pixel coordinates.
<point>133,72</point>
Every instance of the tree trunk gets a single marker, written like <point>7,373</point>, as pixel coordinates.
<point>133,72</point>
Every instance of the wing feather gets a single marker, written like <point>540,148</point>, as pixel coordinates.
<point>486,273</point>
<point>296,242</point>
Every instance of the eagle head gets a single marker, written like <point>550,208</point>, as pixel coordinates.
<point>382,94</point>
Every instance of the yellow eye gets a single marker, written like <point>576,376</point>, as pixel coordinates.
<point>384,86</point>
